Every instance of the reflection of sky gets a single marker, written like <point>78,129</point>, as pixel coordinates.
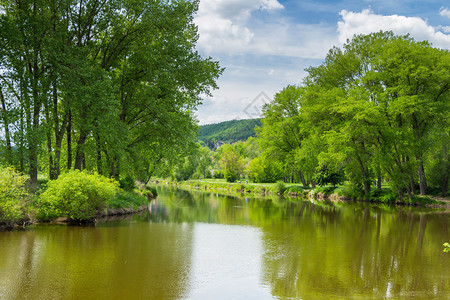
<point>226,263</point>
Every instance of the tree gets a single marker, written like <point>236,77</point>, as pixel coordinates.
<point>231,163</point>
<point>107,79</point>
<point>378,98</point>
<point>283,132</point>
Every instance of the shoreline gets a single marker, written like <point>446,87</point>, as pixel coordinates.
<point>300,193</point>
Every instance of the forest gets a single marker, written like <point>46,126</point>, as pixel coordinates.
<point>106,86</point>
<point>374,113</point>
<point>99,85</point>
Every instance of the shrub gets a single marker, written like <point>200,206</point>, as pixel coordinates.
<point>77,195</point>
<point>13,197</point>
<point>279,187</point>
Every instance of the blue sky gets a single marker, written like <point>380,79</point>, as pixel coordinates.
<point>265,45</point>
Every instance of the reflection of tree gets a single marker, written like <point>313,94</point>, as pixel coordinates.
<point>132,261</point>
<point>353,251</point>
<point>311,250</point>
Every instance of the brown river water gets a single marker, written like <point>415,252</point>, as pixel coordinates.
<point>200,245</point>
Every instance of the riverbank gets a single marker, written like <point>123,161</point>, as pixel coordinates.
<point>69,203</point>
<point>295,191</point>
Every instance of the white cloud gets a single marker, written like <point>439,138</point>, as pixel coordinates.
<point>226,28</point>
<point>445,29</point>
<point>271,4</point>
<point>236,9</point>
<point>222,23</point>
<point>445,12</point>
<point>366,22</point>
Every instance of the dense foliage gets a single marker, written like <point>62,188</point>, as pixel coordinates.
<point>76,195</point>
<point>109,85</point>
<point>376,110</point>
<point>374,113</point>
<point>228,132</point>
<point>13,197</point>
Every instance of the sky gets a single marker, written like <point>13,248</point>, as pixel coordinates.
<point>265,45</point>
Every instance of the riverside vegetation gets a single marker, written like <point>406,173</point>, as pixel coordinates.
<point>107,88</point>
<point>100,86</point>
<point>76,196</point>
<point>371,122</point>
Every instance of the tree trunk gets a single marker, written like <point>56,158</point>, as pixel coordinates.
<point>422,182</point>
<point>22,130</point>
<point>59,131</point>
<point>51,170</point>
<point>114,168</point>
<point>33,139</point>
<point>8,150</point>
<point>409,193</point>
<point>99,160</point>
<point>379,179</point>
<point>69,141</point>
<point>302,179</point>
<point>412,184</point>
<point>365,176</point>
<point>80,157</point>
<point>444,185</point>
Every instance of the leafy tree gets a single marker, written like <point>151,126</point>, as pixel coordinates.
<point>283,131</point>
<point>263,170</point>
<point>231,163</point>
<point>378,98</point>
<point>107,80</point>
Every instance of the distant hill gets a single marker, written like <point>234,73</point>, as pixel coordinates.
<point>228,132</point>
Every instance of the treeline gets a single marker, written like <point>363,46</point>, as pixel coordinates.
<point>228,132</point>
<point>376,111</point>
<point>104,85</point>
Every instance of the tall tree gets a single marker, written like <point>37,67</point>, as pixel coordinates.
<point>114,76</point>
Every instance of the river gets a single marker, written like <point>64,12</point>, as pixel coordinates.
<point>200,245</point>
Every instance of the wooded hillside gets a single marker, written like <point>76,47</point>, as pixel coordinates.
<point>228,132</point>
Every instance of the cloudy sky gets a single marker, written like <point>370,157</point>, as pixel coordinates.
<point>266,44</point>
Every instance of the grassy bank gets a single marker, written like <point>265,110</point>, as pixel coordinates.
<point>338,193</point>
<point>257,189</point>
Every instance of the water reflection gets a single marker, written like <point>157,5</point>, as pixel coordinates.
<point>356,251</point>
<point>126,261</point>
<point>199,245</point>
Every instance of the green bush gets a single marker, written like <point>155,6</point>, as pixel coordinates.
<point>279,187</point>
<point>77,195</point>
<point>13,196</point>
